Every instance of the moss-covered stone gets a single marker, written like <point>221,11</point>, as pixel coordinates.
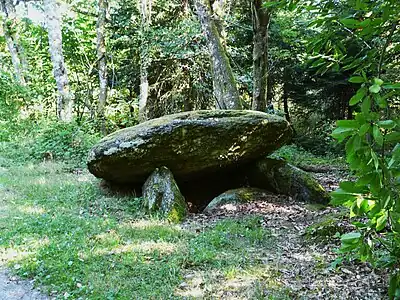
<point>280,177</point>
<point>190,144</point>
<point>236,196</point>
<point>161,193</point>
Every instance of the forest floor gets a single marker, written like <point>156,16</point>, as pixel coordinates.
<point>62,233</point>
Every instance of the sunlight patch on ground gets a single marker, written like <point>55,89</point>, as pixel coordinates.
<point>144,224</point>
<point>9,255</point>
<point>85,178</point>
<point>40,181</point>
<point>150,246</point>
<point>106,237</point>
<point>32,210</point>
<point>236,284</point>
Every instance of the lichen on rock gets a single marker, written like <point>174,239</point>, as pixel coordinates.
<point>189,144</point>
<point>161,193</point>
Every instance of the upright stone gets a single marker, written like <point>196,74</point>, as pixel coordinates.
<point>161,193</point>
<point>280,177</point>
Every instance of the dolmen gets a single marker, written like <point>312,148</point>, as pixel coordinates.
<point>192,157</point>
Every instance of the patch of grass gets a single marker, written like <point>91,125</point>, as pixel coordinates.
<point>302,158</point>
<point>326,229</point>
<point>230,243</point>
<point>60,229</point>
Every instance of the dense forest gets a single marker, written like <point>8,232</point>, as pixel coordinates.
<point>72,72</point>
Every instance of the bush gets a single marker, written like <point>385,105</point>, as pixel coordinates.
<point>63,141</point>
<point>313,133</point>
<point>300,157</point>
<point>53,140</point>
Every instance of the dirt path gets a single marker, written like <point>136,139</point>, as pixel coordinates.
<point>13,289</point>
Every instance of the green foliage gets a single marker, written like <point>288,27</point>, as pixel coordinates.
<point>28,140</point>
<point>372,138</point>
<point>302,158</point>
<point>12,99</point>
<point>63,141</point>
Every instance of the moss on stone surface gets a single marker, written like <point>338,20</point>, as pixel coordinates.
<point>187,143</point>
<point>278,176</point>
<point>236,196</point>
<point>161,193</point>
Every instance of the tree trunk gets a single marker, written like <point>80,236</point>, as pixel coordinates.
<point>261,18</point>
<point>145,12</point>
<point>285,101</point>
<point>9,21</point>
<point>53,19</point>
<point>224,83</point>
<point>221,8</point>
<point>102,60</point>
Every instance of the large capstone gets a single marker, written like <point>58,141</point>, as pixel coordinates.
<point>162,194</point>
<point>190,144</point>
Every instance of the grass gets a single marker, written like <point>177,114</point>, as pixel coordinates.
<point>58,228</point>
<point>302,158</point>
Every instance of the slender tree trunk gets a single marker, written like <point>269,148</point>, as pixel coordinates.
<point>53,19</point>
<point>15,49</point>
<point>188,102</point>
<point>224,83</point>
<point>261,18</point>
<point>102,60</point>
<point>145,12</point>
<point>285,100</point>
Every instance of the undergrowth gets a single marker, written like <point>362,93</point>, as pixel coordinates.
<point>29,140</point>
<point>302,158</point>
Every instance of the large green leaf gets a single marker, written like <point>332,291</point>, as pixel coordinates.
<point>347,123</point>
<point>374,88</point>
<point>381,222</point>
<point>352,187</point>
<point>350,238</point>
<point>351,23</point>
<point>392,86</point>
<point>378,137</point>
<point>356,79</point>
<point>341,133</point>
<point>387,124</point>
<point>393,137</point>
<point>366,105</point>
<point>364,129</point>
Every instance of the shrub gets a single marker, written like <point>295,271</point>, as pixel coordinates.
<point>63,141</point>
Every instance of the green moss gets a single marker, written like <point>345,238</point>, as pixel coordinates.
<point>162,194</point>
<point>177,214</point>
<point>278,176</point>
<point>188,143</point>
<point>236,196</point>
